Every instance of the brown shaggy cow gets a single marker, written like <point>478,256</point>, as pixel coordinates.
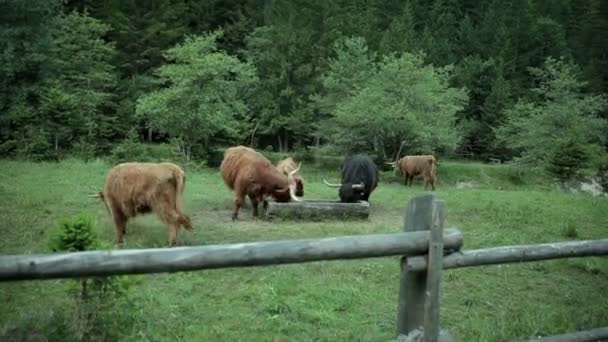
<point>412,166</point>
<point>249,173</point>
<point>286,166</point>
<point>139,188</point>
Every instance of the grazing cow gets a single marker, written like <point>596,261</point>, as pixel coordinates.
<point>359,178</point>
<point>139,188</point>
<point>249,173</point>
<point>412,166</point>
<point>286,166</point>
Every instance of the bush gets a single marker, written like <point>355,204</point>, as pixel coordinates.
<point>95,300</point>
<point>132,150</point>
<point>84,150</point>
<point>74,234</point>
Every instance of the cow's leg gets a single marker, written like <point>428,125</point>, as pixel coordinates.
<point>238,202</point>
<point>168,194</point>
<point>172,219</point>
<point>173,227</point>
<point>118,218</point>
<point>254,204</point>
<point>256,198</point>
<point>164,207</point>
<point>120,224</point>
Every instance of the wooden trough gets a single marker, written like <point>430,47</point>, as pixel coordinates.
<point>317,210</point>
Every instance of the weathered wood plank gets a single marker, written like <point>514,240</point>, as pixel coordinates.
<point>517,253</point>
<point>317,209</point>
<point>433,280</point>
<point>114,262</point>
<point>599,334</point>
<point>412,288</point>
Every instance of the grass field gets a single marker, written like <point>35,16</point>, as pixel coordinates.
<point>322,301</point>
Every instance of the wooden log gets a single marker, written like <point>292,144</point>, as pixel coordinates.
<point>599,334</point>
<point>418,217</point>
<point>433,280</point>
<point>517,253</point>
<point>114,262</point>
<point>317,210</point>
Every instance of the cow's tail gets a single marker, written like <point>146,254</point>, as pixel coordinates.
<point>105,203</point>
<point>184,220</point>
<point>102,197</point>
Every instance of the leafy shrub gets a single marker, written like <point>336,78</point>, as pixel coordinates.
<point>132,150</point>
<point>560,128</point>
<point>95,299</point>
<point>74,234</point>
<point>570,231</point>
<point>36,147</point>
<point>84,150</point>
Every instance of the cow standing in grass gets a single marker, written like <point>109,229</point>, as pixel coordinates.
<point>412,166</point>
<point>132,189</point>
<point>286,166</point>
<point>249,173</point>
<point>359,178</point>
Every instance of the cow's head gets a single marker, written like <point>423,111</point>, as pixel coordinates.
<point>285,194</point>
<point>299,185</point>
<point>396,167</point>
<point>349,192</point>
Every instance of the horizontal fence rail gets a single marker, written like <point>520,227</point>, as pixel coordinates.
<point>518,253</point>
<point>136,261</point>
<point>593,335</point>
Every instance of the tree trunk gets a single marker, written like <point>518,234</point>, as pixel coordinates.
<point>149,134</point>
<point>280,142</point>
<point>253,133</point>
<point>188,152</point>
<point>56,143</point>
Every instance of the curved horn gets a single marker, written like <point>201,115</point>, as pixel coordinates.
<point>99,194</point>
<point>391,163</point>
<point>330,184</point>
<point>291,173</point>
<point>358,186</point>
<point>292,194</point>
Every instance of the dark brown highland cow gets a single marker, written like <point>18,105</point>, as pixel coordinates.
<point>139,188</point>
<point>248,173</point>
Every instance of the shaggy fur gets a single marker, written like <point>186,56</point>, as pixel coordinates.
<point>412,166</point>
<point>132,189</point>
<point>286,166</point>
<point>360,177</point>
<point>355,170</point>
<point>248,173</point>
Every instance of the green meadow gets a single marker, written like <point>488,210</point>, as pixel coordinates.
<point>352,300</point>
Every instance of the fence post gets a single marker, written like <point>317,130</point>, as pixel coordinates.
<point>415,312</point>
<point>433,280</point>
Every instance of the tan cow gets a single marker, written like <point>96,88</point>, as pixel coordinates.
<point>412,166</point>
<point>248,173</point>
<point>132,189</point>
<point>286,166</point>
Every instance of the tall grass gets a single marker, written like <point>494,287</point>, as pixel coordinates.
<point>339,300</point>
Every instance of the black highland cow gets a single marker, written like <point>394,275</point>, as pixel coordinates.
<point>359,179</point>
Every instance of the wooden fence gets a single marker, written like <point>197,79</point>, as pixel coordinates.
<point>426,248</point>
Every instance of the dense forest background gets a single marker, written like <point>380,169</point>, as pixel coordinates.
<point>512,79</point>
